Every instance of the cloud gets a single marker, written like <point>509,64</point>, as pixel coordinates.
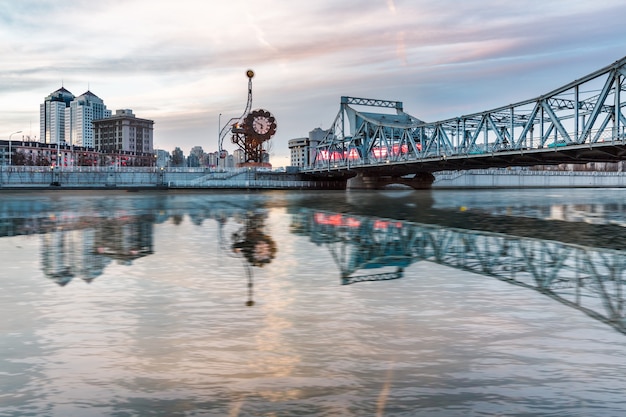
<point>182,63</point>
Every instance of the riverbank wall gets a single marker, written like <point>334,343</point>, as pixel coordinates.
<point>150,178</point>
<point>505,178</point>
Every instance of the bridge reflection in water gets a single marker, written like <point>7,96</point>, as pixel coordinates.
<point>588,279</point>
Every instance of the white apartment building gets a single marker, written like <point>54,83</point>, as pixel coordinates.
<point>302,150</point>
<point>79,115</point>
<point>52,116</point>
<point>299,151</point>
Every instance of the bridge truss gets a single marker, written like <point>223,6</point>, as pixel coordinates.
<point>582,121</point>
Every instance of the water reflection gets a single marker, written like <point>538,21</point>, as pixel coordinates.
<point>248,241</point>
<point>162,328</point>
<point>81,242</point>
<point>82,247</point>
<point>588,279</point>
<point>251,241</point>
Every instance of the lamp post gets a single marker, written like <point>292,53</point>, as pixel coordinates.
<point>219,134</point>
<point>10,154</point>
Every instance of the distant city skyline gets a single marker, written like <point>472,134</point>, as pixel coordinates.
<point>182,64</point>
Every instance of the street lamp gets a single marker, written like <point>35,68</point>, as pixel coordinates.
<point>219,134</point>
<point>10,154</point>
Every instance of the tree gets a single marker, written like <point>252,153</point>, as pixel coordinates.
<point>42,161</point>
<point>19,158</point>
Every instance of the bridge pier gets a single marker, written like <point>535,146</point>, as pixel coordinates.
<point>421,181</point>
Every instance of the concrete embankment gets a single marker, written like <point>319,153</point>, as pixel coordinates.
<point>151,178</point>
<point>503,178</point>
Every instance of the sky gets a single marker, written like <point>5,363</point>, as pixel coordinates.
<point>183,63</point>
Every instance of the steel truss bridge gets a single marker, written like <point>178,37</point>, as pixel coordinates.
<point>591,280</point>
<point>580,122</point>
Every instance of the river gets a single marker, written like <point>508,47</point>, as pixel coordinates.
<point>300,303</point>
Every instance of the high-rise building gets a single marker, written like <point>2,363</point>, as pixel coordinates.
<point>52,116</point>
<point>79,115</point>
<point>239,156</point>
<point>162,158</point>
<point>123,132</point>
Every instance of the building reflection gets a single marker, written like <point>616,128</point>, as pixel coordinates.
<point>366,248</point>
<point>83,247</point>
<point>82,244</point>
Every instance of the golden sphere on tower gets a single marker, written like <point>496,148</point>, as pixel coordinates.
<point>250,73</point>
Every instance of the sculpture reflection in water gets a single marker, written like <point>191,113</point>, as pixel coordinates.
<point>249,242</point>
<point>372,249</point>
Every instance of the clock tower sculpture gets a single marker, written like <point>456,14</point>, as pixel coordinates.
<point>251,130</point>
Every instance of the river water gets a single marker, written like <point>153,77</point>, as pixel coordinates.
<point>391,303</point>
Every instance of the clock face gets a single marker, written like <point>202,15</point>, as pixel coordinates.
<point>261,125</point>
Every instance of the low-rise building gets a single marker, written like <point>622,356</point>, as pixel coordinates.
<point>302,150</point>
<point>299,151</point>
<point>124,132</point>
